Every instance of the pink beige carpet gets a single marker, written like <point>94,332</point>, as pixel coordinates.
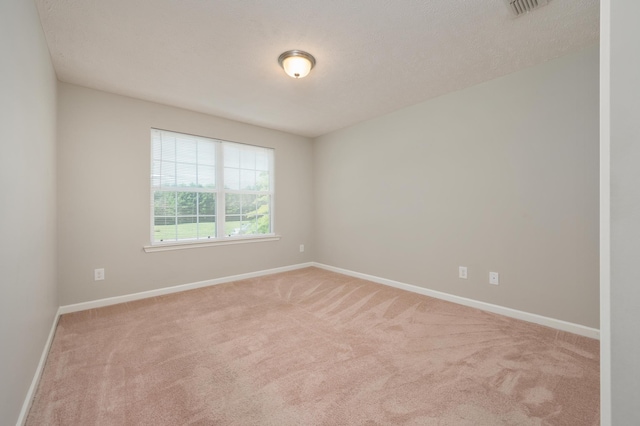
<point>311,347</point>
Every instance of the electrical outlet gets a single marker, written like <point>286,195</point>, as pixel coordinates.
<point>98,274</point>
<point>494,278</point>
<point>462,272</point>
<point>301,248</point>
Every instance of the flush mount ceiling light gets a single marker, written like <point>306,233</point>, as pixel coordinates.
<point>296,63</point>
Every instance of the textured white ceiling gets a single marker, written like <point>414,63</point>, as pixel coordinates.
<point>373,56</point>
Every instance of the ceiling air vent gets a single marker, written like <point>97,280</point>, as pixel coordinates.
<point>520,7</point>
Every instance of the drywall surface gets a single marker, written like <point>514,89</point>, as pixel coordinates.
<point>104,198</point>
<point>374,56</point>
<point>28,299</point>
<point>499,177</point>
<point>625,212</point>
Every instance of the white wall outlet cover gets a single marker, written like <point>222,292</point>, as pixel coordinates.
<point>98,274</point>
<point>494,278</point>
<point>462,272</point>
<point>301,248</point>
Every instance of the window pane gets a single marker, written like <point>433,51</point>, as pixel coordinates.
<point>248,158</point>
<point>206,204</point>
<point>156,147</point>
<point>263,202</point>
<point>164,229</point>
<point>248,203</point>
<point>264,224</point>
<point>206,176</point>
<point>207,153</point>
<point>262,160</point>
<point>187,202</point>
<point>155,174</point>
<point>168,148</point>
<point>186,174</point>
<point>262,181</point>
<point>165,221</point>
<point>247,179</point>
<point>231,155</point>
<point>232,204</point>
<point>231,178</point>
<point>164,203</point>
<point>167,173</point>
<point>263,219</point>
<point>249,214</point>
<point>232,225</point>
<point>187,151</point>
<point>207,227</point>
<point>187,227</point>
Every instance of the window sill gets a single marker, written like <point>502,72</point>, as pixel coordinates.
<point>182,245</point>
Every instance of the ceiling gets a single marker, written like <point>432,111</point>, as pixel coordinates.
<point>373,56</point>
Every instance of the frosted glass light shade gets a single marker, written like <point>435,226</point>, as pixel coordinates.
<point>296,66</point>
<point>297,63</point>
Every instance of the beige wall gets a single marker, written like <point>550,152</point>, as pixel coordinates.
<point>103,190</point>
<point>502,177</point>
<point>625,213</point>
<point>28,299</point>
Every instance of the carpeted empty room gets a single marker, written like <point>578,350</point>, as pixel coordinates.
<point>312,347</point>
<point>319,213</point>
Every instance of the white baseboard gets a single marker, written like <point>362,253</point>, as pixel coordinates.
<point>22,418</point>
<point>508,312</point>
<point>174,289</point>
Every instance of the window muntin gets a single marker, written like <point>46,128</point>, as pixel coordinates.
<point>203,189</point>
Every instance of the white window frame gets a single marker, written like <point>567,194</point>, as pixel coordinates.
<point>221,238</point>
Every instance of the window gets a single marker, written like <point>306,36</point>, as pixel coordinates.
<point>208,189</point>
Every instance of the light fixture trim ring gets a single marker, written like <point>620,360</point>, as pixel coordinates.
<point>296,52</point>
